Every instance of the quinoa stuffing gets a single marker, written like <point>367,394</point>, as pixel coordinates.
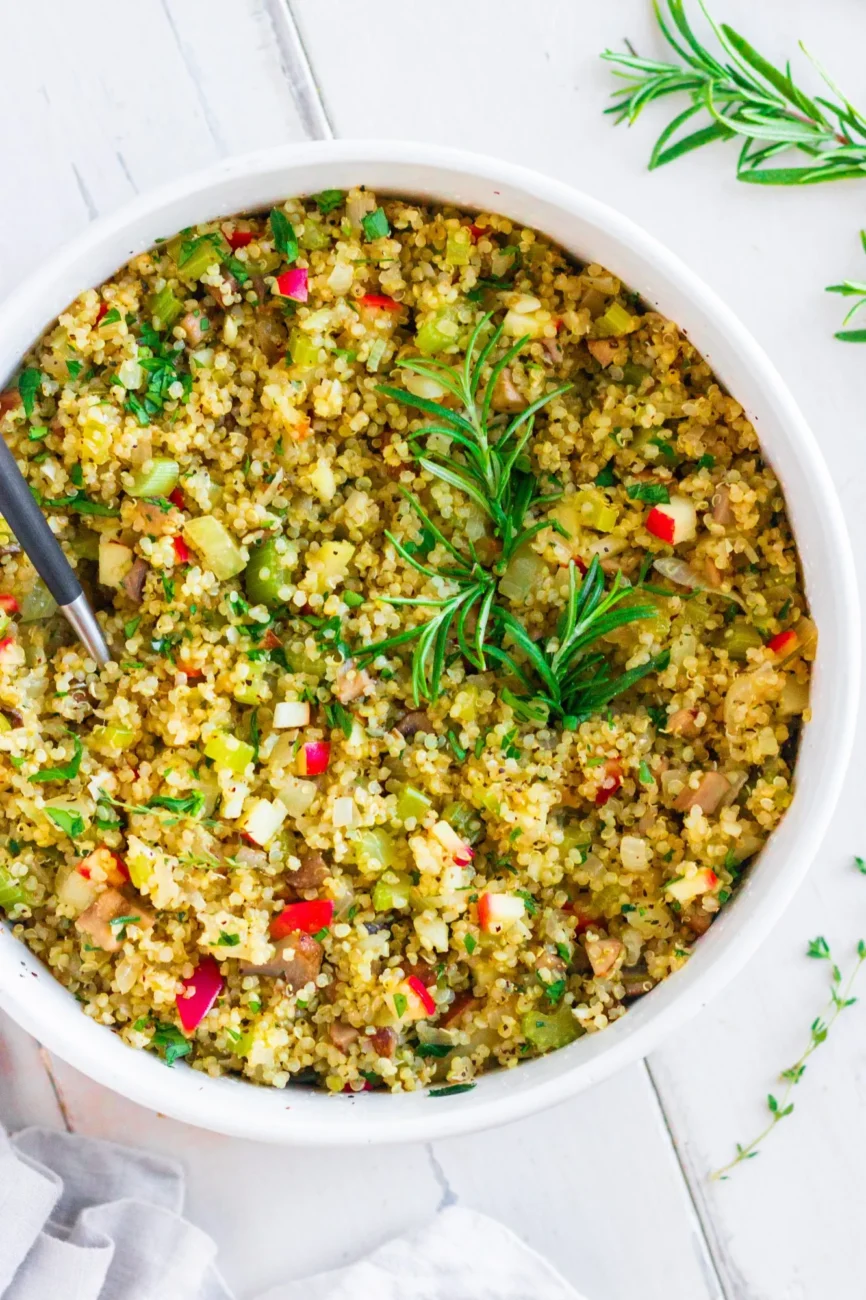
<point>459,648</point>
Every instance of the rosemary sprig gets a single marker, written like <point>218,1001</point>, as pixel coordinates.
<point>490,465</point>
<point>840,999</point>
<point>572,676</point>
<point>745,96</point>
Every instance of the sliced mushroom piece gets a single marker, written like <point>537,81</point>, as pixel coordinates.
<point>342,1035</point>
<point>710,792</point>
<point>682,723</point>
<point>311,873</point>
<point>411,723</point>
<point>270,335</point>
<point>505,396</point>
<point>110,907</point>
<point>636,982</point>
<point>352,683</point>
<point>722,512</point>
<point>462,1004</point>
<point>604,952</point>
<point>133,583</point>
<point>191,323</point>
<point>297,960</point>
<point>604,350</point>
<point>223,292</point>
<point>384,1042</point>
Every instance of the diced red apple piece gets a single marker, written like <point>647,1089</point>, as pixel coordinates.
<point>309,916</point>
<point>451,842</point>
<point>314,758</point>
<point>689,887</point>
<point>264,820</point>
<point>498,911</point>
<point>674,522</point>
<point>199,994</point>
<point>784,643</point>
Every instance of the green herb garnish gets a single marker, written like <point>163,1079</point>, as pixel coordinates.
<point>227,940</point>
<point>451,1090</point>
<point>652,493</point>
<point>285,239</point>
<point>328,200</point>
<point>376,225</point>
<point>68,771</point>
<point>338,716</point>
<point>437,1050</point>
<point>29,383</point>
<point>171,1042</point>
<point>71,823</point>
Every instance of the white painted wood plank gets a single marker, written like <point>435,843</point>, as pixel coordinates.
<point>107,100</point>
<point>565,1181</point>
<point>525,83</point>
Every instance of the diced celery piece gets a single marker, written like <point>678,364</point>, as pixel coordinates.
<point>195,257</point>
<point>265,265</point>
<point>391,891</point>
<point>302,349</point>
<point>375,355</point>
<point>738,638</point>
<point>412,803</point>
<point>241,1043</point>
<point>5,621</point>
<point>111,739</point>
<point>265,575</point>
<point>458,246</point>
<point>5,724</point>
<point>439,333</point>
<point>315,235</point>
<point>85,546</point>
<point>545,1032</point>
<point>166,307</point>
<point>615,321</point>
<point>374,849</point>
<point>220,551</point>
<point>465,821</point>
<point>574,837</point>
<point>12,892</point>
<point>252,689</point>
<point>229,753</point>
<point>37,603</point>
<point>594,510</point>
<point>157,478</point>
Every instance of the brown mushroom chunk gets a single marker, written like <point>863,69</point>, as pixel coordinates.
<point>462,1004</point>
<point>604,952</point>
<point>269,332</point>
<point>133,583</point>
<point>699,921</point>
<point>223,292</point>
<point>551,967</point>
<point>709,794</point>
<point>311,873</point>
<point>505,396</point>
<point>682,723</point>
<point>194,323</point>
<point>342,1035</point>
<point>722,512</point>
<point>636,982</point>
<point>411,723</point>
<point>384,1042</point>
<point>297,959</point>
<point>110,906</point>
<point>153,519</point>
<point>10,400</point>
<point>604,350</point>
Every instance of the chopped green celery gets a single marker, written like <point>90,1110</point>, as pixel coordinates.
<point>588,508</point>
<point>548,1031</point>
<point>465,821</point>
<point>200,254</point>
<point>374,849</point>
<point>391,891</point>
<point>439,333</point>
<point>302,349</point>
<point>315,235</point>
<point>229,753</point>
<point>111,739</point>
<point>252,689</point>
<point>575,837</point>
<point>37,603</point>
<point>458,246</point>
<point>5,724</point>
<point>157,479</point>
<point>522,574</point>
<point>632,373</point>
<point>300,662</point>
<point>240,1043</point>
<point>412,803</point>
<point>166,307</point>
<point>374,357</point>
<point>220,551</point>
<point>615,321</point>
<point>85,546</point>
<point>654,447</point>
<point>12,892</point>
<point>266,575</point>
<point>264,265</point>
<point>5,622</point>
<point>738,638</point>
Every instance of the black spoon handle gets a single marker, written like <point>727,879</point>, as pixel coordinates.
<point>30,526</point>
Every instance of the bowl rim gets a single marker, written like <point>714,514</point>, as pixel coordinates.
<point>241,1109</point>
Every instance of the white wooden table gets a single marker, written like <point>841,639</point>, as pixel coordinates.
<point>101,100</point>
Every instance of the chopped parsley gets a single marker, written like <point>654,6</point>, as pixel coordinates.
<point>168,587</point>
<point>706,461</point>
<point>437,1050</point>
<point>339,716</point>
<point>376,224</point>
<point>171,1042</point>
<point>328,200</point>
<point>606,476</point>
<point>130,626</point>
<point>554,992</point>
<point>400,1003</point>
<point>227,940</point>
<point>652,493</point>
<point>110,317</point>
<point>285,239</point>
<point>470,944</point>
<point>353,599</point>
<point>74,368</point>
<point>68,772</point>
<point>29,383</point>
<point>71,823</point>
<point>79,502</point>
<point>644,773</point>
<point>158,358</point>
<point>451,1090</point>
<point>37,432</point>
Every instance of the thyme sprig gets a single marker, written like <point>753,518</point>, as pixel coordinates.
<point>572,676</point>
<point>746,97</point>
<point>840,999</point>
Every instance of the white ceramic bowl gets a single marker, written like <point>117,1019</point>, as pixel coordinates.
<point>591,232</point>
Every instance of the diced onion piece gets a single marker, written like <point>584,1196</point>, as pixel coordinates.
<point>291,713</point>
<point>498,911</point>
<point>634,852</point>
<point>676,521</point>
<point>344,811</point>
<point>200,992</point>
<point>115,561</point>
<point>294,284</point>
<point>689,887</point>
<point>234,794</point>
<point>264,820</point>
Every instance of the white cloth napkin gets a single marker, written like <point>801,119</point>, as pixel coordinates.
<point>83,1219</point>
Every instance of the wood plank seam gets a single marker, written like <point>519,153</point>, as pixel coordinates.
<point>295,62</point>
<point>714,1257</point>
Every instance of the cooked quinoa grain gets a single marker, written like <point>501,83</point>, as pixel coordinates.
<point>262,841</point>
